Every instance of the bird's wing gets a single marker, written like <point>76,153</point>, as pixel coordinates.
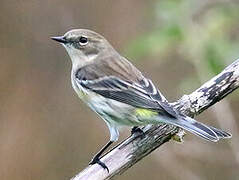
<point>142,95</point>
<point>145,95</point>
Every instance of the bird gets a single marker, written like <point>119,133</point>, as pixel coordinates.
<point>119,93</point>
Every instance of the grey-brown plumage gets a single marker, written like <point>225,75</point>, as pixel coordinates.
<point>117,90</point>
<point>111,66</point>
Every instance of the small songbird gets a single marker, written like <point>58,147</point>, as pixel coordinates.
<point>118,92</point>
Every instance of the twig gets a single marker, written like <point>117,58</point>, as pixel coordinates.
<point>135,148</point>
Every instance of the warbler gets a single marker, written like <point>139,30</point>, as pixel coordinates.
<point>118,92</point>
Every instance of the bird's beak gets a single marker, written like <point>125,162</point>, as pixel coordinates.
<point>60,39</point>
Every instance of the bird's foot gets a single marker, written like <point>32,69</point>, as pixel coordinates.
<point>138,131</point>
<point>96,160</point>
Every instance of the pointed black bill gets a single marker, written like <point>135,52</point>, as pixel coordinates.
<point>60,39</point>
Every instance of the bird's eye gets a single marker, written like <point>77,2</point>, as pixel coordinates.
<point>83,40</point>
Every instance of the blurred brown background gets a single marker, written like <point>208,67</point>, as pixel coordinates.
<point>46,133</point>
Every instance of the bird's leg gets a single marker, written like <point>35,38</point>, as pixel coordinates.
<point>137,130</point>
<point>96,158</point>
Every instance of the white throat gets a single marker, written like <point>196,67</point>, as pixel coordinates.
<point>78,58</point>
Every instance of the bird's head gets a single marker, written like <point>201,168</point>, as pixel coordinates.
<point>83,46</point>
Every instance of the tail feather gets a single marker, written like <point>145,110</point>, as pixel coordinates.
<point>198,129</point>
<point>220,133</point>
<point>206,132</point>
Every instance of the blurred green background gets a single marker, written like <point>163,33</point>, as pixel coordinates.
<point>47,133</point>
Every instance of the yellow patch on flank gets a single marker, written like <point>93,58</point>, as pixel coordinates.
<point>145,112</point>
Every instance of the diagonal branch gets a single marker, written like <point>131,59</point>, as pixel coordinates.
<point>135,148</point>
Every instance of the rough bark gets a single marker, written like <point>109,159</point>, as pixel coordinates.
<point>134,148</point>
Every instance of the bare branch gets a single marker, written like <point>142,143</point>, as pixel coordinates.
<point>211,92</point>
<point>135,148</point>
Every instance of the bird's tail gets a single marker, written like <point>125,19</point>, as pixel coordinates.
<point>206,132</point>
